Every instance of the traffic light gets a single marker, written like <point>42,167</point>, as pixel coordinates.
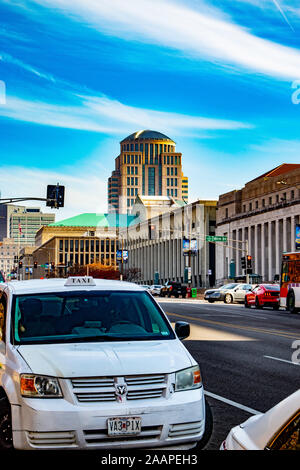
<point>55,196</point>
<point>52,265</point>
<point>249,262</point>
<point>152,232</point>
<point>35,264</point>
<point>243,262</point>
<point>20,264</point>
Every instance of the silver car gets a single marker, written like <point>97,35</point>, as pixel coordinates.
<point>236,293</point>
<point>155,289</point>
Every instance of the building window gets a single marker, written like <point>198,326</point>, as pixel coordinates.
<point>226,213</point>
<point>250,206</point>
<point>151,181</point>
<point>256,204</point>
<point>292,194</point>
<point>270,200</point>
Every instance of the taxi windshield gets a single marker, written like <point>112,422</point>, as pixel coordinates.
<point>87,316</point>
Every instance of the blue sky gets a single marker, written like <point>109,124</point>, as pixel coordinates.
<point>216,76</point>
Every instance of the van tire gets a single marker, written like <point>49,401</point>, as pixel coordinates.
<point>208,428</point>
<point>6,441</point>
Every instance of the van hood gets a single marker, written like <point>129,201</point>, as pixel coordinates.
<point>106,359</point>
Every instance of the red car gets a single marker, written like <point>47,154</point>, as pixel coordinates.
<point>264,295</point>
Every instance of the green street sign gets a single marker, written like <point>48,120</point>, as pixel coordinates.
<point>216,238</point>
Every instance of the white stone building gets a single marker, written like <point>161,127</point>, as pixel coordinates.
<point>155,245</point>
<point>262,215</point>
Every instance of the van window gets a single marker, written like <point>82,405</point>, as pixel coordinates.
<point>88,316</point>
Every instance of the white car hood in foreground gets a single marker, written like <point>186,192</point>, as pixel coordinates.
<point>257,431</point>
<point>106,358</point>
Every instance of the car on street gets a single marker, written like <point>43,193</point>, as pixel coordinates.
<point>145,286</point>
<point>155,289</point>
<point>233,293</point>
<point>277,429</point>
<point>94,364</point>
<point>264,295</point>
<point>213,295</point>
<point>173,288</point>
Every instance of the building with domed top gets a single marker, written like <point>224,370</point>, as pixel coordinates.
<point>148,164</point>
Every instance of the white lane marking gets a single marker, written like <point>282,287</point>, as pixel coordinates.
<point>232,403</point>
<point>282,360</point>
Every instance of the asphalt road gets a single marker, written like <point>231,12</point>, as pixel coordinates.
<point>245,357</point>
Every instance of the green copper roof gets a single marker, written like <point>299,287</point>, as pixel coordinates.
<point>96,220</point>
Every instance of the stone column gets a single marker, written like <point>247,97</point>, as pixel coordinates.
<point>277,248</point>
<point>284,234</point>
<point>293,233</point>
<point>270,250</point>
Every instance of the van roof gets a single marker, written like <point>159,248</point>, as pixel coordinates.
<point>34,286</point>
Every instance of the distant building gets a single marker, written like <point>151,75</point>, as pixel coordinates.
<point>9,251</point>
<point>21,223</point>
<point>155,245</point>
<point>80,240</point>
<point>145,207</point>
<point>265,214</point>
<point>148,164</point>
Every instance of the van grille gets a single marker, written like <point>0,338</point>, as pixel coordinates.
<point>100,436</point>
<point>52,439</point>
<point>185,429</point>
<point>139,387</point>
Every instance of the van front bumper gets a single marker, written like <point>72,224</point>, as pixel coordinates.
<point>59,424</point>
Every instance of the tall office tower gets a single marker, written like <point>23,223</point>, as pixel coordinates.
<point>148,164</point>
<point>21,223</point>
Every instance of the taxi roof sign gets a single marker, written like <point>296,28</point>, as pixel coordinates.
<point>80,281</point>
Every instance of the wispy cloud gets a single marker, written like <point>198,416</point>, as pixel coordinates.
<point>279,8</point>
<point>104,115</point>
<point>7,58</point>
<point>174,25</point>
<point>82,194</point>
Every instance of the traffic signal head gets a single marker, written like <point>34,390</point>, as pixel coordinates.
<point>249,261</point>
<point>243,262</point>
<point>55,196</point>
<point>20,264</point>
<point>35,265</point>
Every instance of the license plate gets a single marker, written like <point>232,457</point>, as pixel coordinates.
<point>120,426</point>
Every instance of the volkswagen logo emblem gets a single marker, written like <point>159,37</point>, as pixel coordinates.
<point>120,391</point>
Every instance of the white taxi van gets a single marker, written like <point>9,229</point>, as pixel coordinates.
<point>95,364</point>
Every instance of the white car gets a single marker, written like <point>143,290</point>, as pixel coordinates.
<point>277,429</point>
<point>155,289</point>
<point>95,364</point>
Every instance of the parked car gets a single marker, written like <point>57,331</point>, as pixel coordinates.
<point>173,288</point>
<point>235,294</point>
<point>264,295</point>
<point>213,295</point>
<point>155,289</point>
<point>277,429</point>
<point>95,364</point>
<point>145,286</point>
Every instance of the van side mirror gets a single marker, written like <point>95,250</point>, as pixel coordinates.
<point>182,329</point>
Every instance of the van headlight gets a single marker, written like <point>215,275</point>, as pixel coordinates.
<point>39,386</point>
<point>188,379</point>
